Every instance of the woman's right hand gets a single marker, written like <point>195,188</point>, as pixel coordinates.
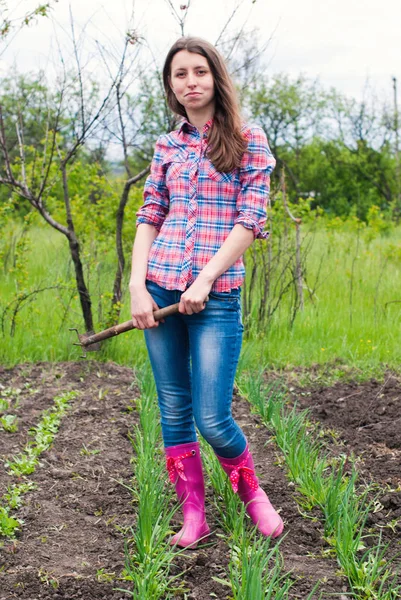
<point>142,307</point>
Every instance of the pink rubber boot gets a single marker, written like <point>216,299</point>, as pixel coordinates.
<point>184,466</point>
<point>241,472</point>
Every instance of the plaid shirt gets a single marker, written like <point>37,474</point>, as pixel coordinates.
<point>194,207</point>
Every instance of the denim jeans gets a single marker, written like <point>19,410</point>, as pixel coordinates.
<point>194,359</point>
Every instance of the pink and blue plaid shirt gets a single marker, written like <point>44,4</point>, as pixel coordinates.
<point>194,207</point>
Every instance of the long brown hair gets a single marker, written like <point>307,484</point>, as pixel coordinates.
<point>226,144</point>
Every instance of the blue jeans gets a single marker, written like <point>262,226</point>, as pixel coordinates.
<point>194,359</point>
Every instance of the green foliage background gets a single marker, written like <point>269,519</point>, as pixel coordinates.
<point>342,181</point>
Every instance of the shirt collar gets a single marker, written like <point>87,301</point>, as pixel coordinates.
<point>187,126</point>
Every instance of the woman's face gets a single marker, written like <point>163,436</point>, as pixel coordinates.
<point>192,81</point>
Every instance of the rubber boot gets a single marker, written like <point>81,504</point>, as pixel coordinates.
<point>184,466</point>
<point>241,471</point>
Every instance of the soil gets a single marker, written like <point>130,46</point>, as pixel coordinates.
<point>365,419</point>
<point>71,545</point>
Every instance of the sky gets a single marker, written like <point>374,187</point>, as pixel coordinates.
<point>344,43</point>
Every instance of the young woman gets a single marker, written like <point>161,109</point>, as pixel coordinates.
<point>204,203</point>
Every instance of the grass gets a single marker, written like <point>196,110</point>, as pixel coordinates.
<point>355,313</point>
<point>324,483</point>
<point>353,317</point>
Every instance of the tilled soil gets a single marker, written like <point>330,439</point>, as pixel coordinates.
<point>72,542</point>
<point>70,538</point>
<point>365,418</point>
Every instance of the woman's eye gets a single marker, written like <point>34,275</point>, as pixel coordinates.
<point>201,72</point>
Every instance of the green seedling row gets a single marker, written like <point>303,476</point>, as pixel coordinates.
<point>324,482</point>
<point>148,554</point>
<point>256,567</point>
<point>25,462</point>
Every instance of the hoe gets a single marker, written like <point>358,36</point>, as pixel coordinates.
<point>90,341</point>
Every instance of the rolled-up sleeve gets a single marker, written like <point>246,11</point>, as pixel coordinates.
<point>255,170</point>
<point>156,197</point>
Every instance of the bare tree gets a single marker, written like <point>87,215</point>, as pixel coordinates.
<point>34,178</point>
<point>181,16</point>
<point>137,118</point>
<point>10,25</point>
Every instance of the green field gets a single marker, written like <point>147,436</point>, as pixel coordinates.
<point>353,316</point>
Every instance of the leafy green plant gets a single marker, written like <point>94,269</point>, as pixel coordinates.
<point>22,464</point>
<point>3,404</point>
<point>15,492</point>
<point>9,423</point>
<point>8,525</point>
<point>9,397</point>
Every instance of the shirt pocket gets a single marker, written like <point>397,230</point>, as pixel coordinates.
<point>174,163</point>
<point>221,177</point>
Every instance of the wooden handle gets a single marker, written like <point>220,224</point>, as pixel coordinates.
<point>159,314</point>
<point>88,340</point>
<point>162,313</point>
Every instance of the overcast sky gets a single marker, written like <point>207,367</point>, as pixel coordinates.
<point>343,42</point>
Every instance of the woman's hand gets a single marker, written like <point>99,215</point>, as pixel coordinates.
<point>142,307</point>
<point>193,299</point>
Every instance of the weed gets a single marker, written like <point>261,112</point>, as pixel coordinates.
<point>87,452</point>
<point>103,577</point>
<point>47,578</point>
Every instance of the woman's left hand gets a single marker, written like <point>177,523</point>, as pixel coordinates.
<point>194,298</point>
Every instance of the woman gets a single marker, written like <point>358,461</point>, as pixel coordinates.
<point>204,204</point>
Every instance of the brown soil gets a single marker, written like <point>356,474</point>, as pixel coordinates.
<point>365,418</point>
<point>70,521</point>
<point>72,540</point>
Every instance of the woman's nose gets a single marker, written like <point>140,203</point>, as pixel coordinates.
<point>191,80</point>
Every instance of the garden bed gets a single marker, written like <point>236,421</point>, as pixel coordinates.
<point>71,542</point>
<point>365,418</point>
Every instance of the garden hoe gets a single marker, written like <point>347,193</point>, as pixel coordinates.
<point>90,341</point>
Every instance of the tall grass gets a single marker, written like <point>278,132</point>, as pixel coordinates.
<point>354,314</point>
